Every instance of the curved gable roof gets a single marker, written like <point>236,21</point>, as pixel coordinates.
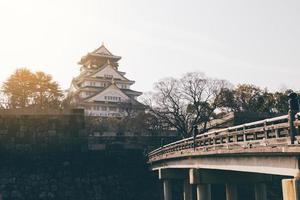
<point>110,90</point>
<point>118,74</point>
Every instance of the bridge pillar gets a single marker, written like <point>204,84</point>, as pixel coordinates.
<point>168,175</point>
<point>260,191</point>
<point>231,192</point>
<point>167,189</point>
<point>203,189</point>
<point>187,190</point>
<point>291,189</point>
<point>203,192</point>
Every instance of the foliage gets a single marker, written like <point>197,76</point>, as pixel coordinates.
<point>19,88</point>
<point>195,100</point>
<point>250,98</point>
<point>46,92</point>
<point>26,89</point>
<point>280,101</point>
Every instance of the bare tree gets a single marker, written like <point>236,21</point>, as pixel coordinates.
<point>190,100</point>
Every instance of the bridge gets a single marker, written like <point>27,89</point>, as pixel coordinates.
<point>248,153</point>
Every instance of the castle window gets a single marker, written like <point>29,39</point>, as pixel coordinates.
<point>112,109</point>
<point>103,108</point>
<point>89,93</point>
<point>96,108</point>
<point>108,76</point>
<point>93,83</point>
<point>103,84</point>
<point>112,98</point>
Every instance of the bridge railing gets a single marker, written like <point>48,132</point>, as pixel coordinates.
<point>272,131</point>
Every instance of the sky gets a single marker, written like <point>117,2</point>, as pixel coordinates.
<point>243,41</point>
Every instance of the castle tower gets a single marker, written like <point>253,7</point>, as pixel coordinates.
<point>100,88</point>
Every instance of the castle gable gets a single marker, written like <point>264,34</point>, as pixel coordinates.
<point>108,72</point>
<point>110,94</point>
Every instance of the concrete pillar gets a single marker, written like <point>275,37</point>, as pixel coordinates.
<point>291,189</point>
<point>260,191</point>
<point>203,192</point>
<point>187,190</point>
<point>231,192</point>
<point>167,185</point>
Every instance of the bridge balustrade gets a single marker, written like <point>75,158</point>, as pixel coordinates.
<point>273,131</point>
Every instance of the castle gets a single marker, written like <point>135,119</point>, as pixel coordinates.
<point>101,89</point>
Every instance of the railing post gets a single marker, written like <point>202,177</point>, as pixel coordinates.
<point>298,125</point>
<point>276,131</point>
<point>235,137</point>
<point>244,134</point>
<point>265,130</point>
<point>228,138</point>
<point>293,109</point>
<point>195,133</point>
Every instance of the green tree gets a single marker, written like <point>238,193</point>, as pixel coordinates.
<point>247,97</point>
<point>19,88</point>
<point>265,102</point>
<point>227,101</point>
<point>250,98</point>
<point>26,89</point>
<point>281,101</point>
<point>47,93</point>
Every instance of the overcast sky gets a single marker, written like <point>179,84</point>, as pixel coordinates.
<point>242,41</point>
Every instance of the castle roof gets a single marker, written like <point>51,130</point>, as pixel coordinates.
<point>108,64</point>
<point>101,52</point>
<point>126,92</point>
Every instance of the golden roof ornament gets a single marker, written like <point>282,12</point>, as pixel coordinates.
<point>113,81</point>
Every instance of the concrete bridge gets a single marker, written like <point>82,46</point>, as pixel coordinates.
<point>249,153</point>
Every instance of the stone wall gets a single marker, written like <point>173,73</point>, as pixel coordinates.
<point>77,176</point>
<point>42,132</point>
<point>66,132</point>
